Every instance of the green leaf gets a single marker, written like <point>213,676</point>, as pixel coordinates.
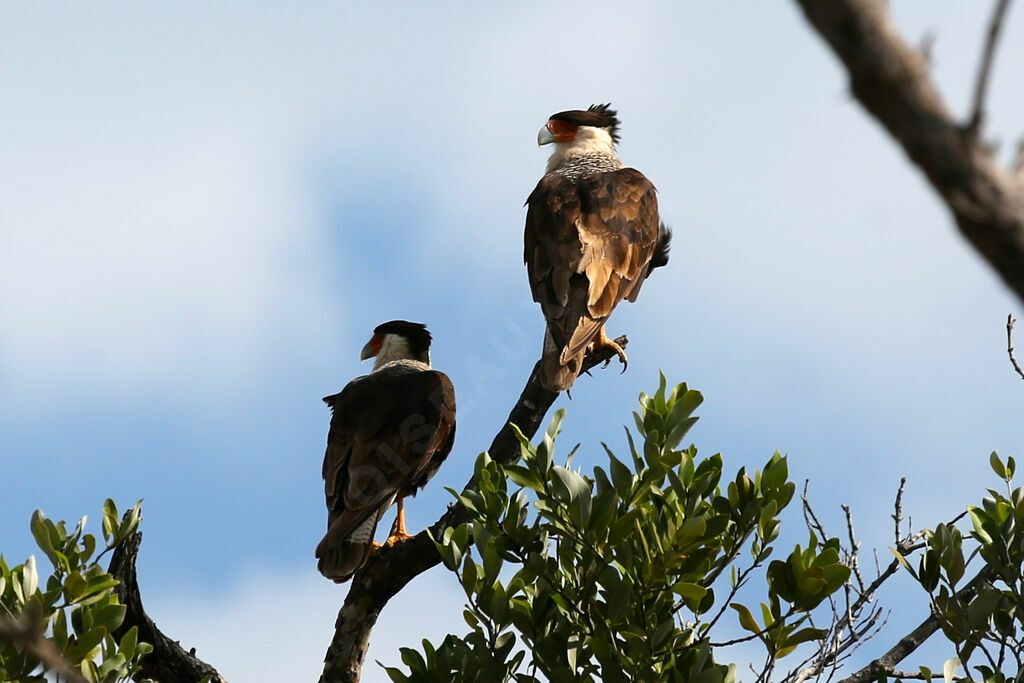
<point>746,618</point>
<point>111,666</point>
<point>622,477</point>
<point>109,616</point>
<point>130,523</point>
<point>903,562</point>
<point>110,520</point>
<point>523,477</point>
<point>128,642</point>
<point>691,593</point>
<point>42,536</point>
<point>84,645</point>
<point>804,635</point>
<point>996,465</point>
<point>414,660</point>
<point>983,523</point>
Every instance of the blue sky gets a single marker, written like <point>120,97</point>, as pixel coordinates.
<point>206,210</point>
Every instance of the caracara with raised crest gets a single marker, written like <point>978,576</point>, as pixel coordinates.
<point>390,432</point>
<point>592,238</point>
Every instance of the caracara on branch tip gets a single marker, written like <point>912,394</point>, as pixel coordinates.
<point>592,237</point>
<point>390,431</point>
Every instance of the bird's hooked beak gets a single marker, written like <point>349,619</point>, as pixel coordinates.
<point>544,135</point>
<point>372,347</point>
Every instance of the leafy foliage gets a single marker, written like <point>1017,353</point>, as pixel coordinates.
<point>613,577</point>
<point>76,605</point>
<point>983,617</point>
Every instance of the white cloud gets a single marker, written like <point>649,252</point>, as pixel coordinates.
<point>272,627</point>
<point>149,237</point>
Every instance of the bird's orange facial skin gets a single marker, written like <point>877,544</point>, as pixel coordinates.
<point>376,341</point>
<point>562,130</point>
<point>372,347</point>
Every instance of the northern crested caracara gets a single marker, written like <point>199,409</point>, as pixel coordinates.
<point>390,432</point>
<point>592,237</point>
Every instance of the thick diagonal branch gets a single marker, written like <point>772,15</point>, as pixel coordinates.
<point>168,662</point>
<point>892,82</point>
<point>392,567</point>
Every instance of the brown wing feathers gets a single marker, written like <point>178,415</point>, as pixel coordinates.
<point>589,243</point>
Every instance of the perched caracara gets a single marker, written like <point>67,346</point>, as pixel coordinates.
<point>390,432</point>
<point>592,237</point>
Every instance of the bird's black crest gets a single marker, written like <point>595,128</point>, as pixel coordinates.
<point>415,333</point>
<point>597,115</point>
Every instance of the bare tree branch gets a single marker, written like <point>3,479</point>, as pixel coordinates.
<point>860,620</point>
<point>388,570</point>
<point>985,69</point>
<point>897,515</point>
<point>1009,345</point>
<point>910,642</point>
<point>29,637</point>
<point>168,662</point>
<point>892,82</point>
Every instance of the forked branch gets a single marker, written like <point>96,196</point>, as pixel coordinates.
<point>892,81</point>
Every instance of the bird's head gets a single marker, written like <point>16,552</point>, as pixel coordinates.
<point>579,132</point>
<point>398,340</point>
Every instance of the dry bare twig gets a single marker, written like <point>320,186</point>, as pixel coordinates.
<point>985,69</point>
<point>860,619</point>
<point>1010,320</point>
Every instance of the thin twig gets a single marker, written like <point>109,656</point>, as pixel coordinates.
<point>810,519</point>
<point>854,548</point>
<point>985,68</point>
<point>851,628</point>
<point>1010,320</point>
<point>898,513</point>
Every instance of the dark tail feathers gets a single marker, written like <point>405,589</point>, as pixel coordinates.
<point>662,248</point>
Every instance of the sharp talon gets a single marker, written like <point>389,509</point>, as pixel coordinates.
<point>395,539</point>
<point>374,546</point>
<point>603,342</point>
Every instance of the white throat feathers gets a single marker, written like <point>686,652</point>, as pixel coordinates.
<point>588,142</point>
<point>396,348</point>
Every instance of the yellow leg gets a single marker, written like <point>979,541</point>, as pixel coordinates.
<point>398,533</point>
<point>602,341</point>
